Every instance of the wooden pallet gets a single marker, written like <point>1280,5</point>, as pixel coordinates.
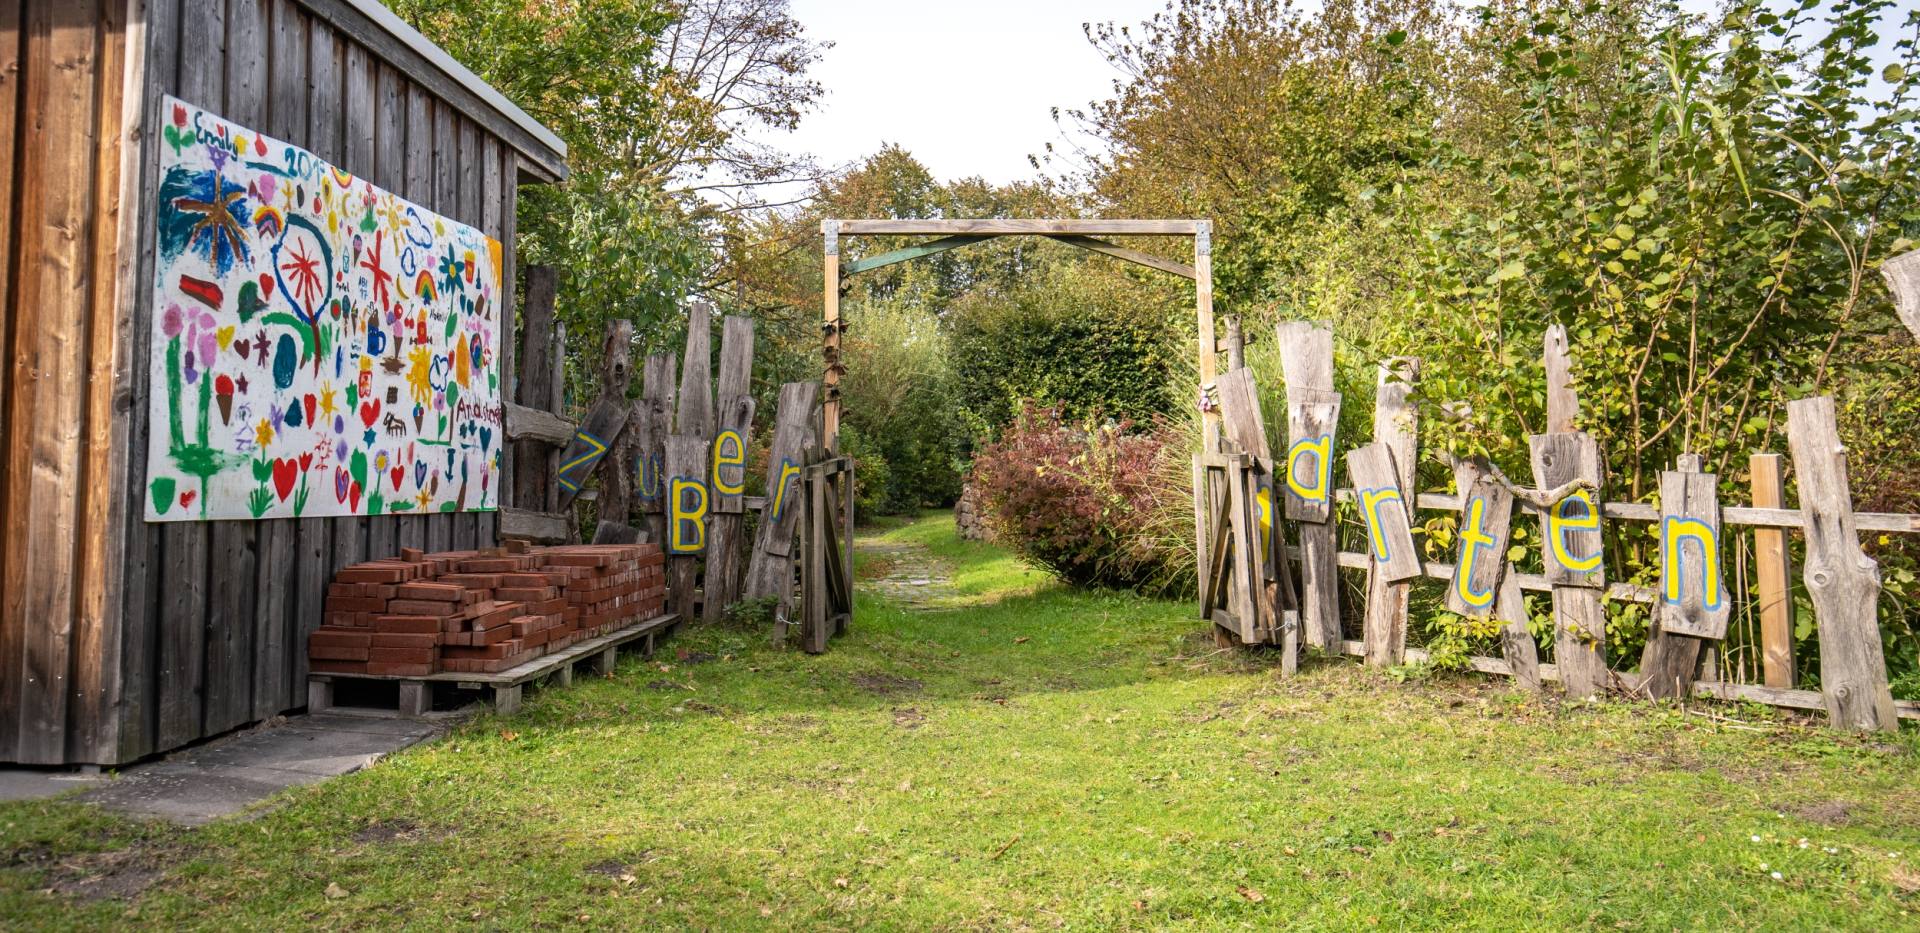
<point>504,688</point>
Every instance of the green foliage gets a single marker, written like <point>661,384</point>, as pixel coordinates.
<point>1072,335</point>
<point>902,422</point>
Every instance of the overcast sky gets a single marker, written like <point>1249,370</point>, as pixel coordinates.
<point>966,86</point>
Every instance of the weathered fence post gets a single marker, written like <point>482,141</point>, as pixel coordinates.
<point>1486,520</point>
<point>1842,580</point>
<point>532,473</point>
<point>1313,418</point>
<point>693,419</point>
<point>1687,602</point>
<point>615,503</point>
<point>1246,430</point>
<point>1396,426</point>
<point>770,569</point>
<point>686,517</point>
<point>1516,641</point>
<point>651,422</point>
<point>1570,534</point>
<point>729,479</point>
<point>1773,572</point>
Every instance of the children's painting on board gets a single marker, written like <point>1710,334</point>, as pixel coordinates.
<point>320,346</point>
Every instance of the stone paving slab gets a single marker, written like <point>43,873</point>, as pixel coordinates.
<point>230,775</point>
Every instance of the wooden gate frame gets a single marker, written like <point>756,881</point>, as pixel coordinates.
<point>957,233</point>
<point>826,550</point>
<point>952,234</point>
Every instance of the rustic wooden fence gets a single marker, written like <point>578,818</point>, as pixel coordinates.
<point>1245,499</point>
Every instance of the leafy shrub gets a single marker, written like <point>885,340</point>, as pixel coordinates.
<point>1091,502</point>
<point>903,425</point>
<point>1074,336</point>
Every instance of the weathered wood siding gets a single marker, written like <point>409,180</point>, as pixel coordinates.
<point>62,65</point>
<point>120,639</point>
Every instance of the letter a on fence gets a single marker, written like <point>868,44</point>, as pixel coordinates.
<point>1312,417</point>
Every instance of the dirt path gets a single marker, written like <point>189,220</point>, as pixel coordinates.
<point>907,574</point>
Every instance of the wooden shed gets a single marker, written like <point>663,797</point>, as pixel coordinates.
<point>121,638</point>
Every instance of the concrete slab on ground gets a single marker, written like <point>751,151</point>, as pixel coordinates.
<point>229,775</point>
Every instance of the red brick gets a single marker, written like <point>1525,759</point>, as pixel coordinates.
<point>477,581</point>
<point>364,573</point>
<point>421,607</point>
<point>337,652</point>
<point>492,565</point>
<point>526,594</point>
<point>405,640</point>
<point>355,604</point>
<point>408,624</point>
<point>323,666</point>
<point>332,635</point>
<point>435,592</point>
<point>401,655</point>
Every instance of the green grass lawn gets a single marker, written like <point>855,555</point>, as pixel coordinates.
<point>1029,756</point>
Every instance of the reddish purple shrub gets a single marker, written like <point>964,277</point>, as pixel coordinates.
<point>1096,504</point>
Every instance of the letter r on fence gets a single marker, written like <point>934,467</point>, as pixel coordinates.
<point>1675,532</point>
<point>1371,502</point>
<point>788,470</point>
<point>688,501</point>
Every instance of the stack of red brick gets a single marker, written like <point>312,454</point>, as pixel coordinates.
<point>481,611</point>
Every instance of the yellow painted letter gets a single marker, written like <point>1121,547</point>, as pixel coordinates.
<point>1675,532</point>
<point>689,505</point>
<point>1320,477</point>
<point>1473,539</point>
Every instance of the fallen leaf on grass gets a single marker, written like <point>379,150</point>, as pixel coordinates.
<point>509,735</point>
<point>1021,640</point>
<point>839,882</point>
<point>335,891</point>
<point>1905,879</point>
<point>1251,894</point>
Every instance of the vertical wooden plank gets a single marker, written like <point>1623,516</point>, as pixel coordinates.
<point>1240,599</point>
<point>1245,428</point>
<point>233,570</point>
<point>686,519</point>
<point>695,415</point>
<point>1383,506</point>
<point>1774,574</point>
<point>187,545</point>
<point>1202,534</point>
<point>152,47</point>
<point>531,478</point>
<point>488,196</point>
<point>1516,642</point>
<point>397,169</point>
<point>501,185</point>
<point>94,684</point>
<point>651,422</point>
<point>1203,314</point>
<point>830,328</point>
<point>1573,558</point>
<point>13,620</point>
<point>732,428</point>
<point>314,537</point>
<point>813,561</point>
<point>12,47</point>
<point>1395,424</point>
<point>1693,593</point>
<point>767,573</point>
<point>473,212</point>
<point>1842,580</point>
<point>56,230</point>
<point>1486,517</point>
<point>352,538</point>
<point>609,419</point>
<point>1563,404</point>
<point>1313,412</point>
<point>278,630</point>
<point>1669,661</point>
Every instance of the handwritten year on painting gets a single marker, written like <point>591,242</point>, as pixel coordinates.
<point>320,346</point>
